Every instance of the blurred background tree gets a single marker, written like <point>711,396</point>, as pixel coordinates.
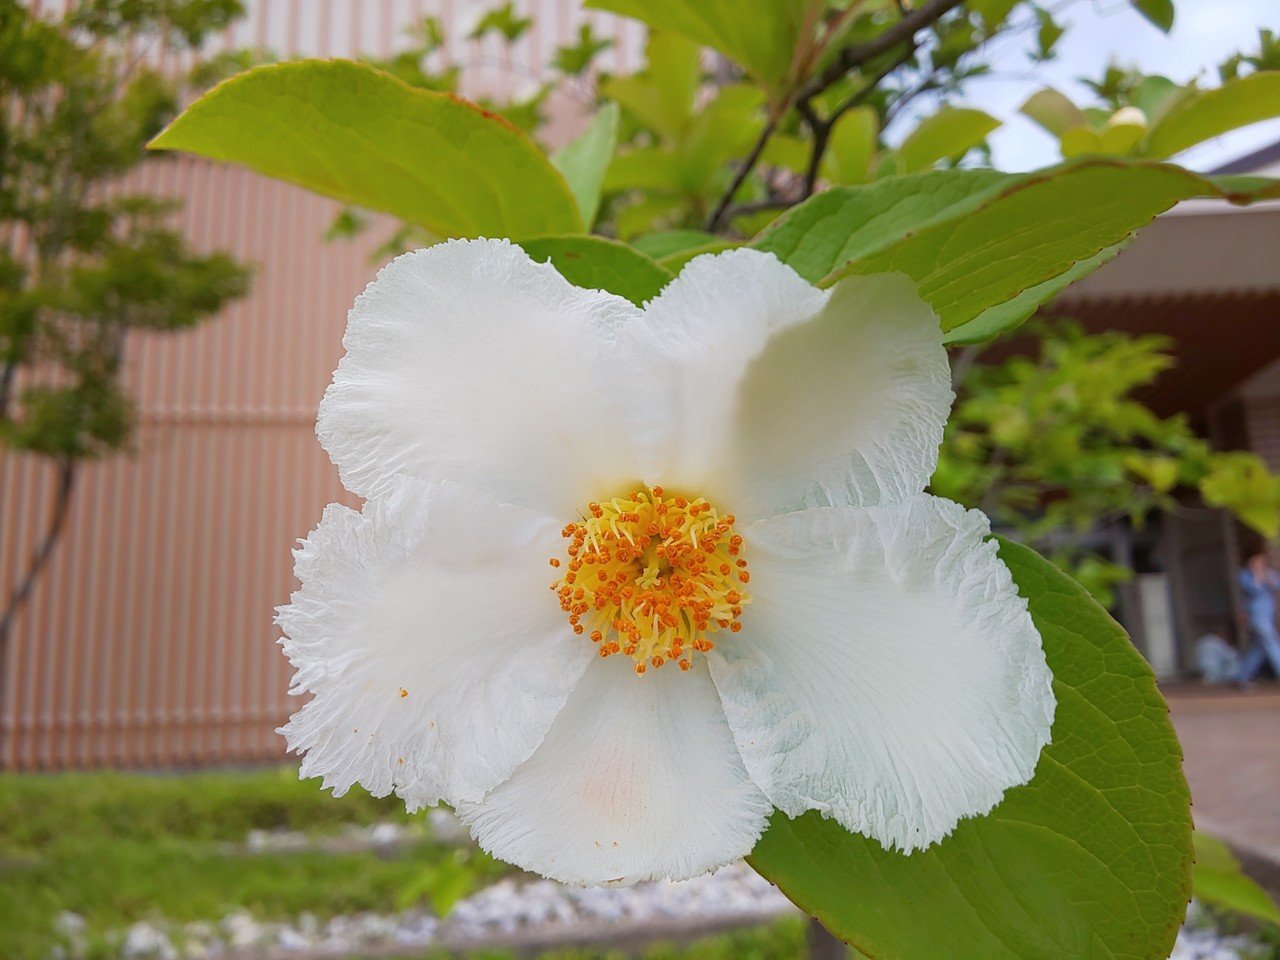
<point>82,260</point>
<point>1053,446</point>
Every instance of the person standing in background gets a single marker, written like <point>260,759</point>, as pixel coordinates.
<point>1258,585</point>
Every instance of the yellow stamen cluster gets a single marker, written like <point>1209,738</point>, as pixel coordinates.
<point>651,576</point>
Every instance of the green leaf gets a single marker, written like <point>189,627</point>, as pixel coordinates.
<point>1156,95</point>
<point>597,263</point>
<point>576,59</point>
<point>664,243</point>
<point>503,21</point>
<point>1012,313</point>
<point>352,132</point>
<point>583,161</point>
<point>1121,133</point>
<point>643,168</point>
<point>675,261</point>
<point>993,12</point>
<point>1237,103</point>
<point>1159,12</point>
<point>661,96</point>
<point>949,133</point>
<point>976,240</point>
<point>852,146</point>
<point>843,225</point>
<point>1048,34</point>
<point>760,35</point>
<point>1219,882</point>
<point>1080,141</point>
<point>1053,111</point>
<point>1240,482</point>
<point>1092,858</point>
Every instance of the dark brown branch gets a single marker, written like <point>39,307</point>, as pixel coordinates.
<point>716,217</point>
<point>822,128</point>
<point>857,55</point>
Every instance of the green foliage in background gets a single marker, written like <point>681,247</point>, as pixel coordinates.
<point>118,848</point>
<point>84,262</point>
<point>1220,883</point>
<point>1054,447</point>
<point>835,136</point>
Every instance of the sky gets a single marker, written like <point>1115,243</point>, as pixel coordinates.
<point>1205,32</point>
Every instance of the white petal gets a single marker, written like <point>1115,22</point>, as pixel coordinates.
<point>887,674</point>
<point>638,779</point>
<point>467,361</point>
<point>791,398</point>
<point>697,340</point>
<point>437,655</point>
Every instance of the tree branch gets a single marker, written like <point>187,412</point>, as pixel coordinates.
<point>856,55</point>
<point>822,128</point>
<point>22,591</point>
<point>847,59</point>
<point>716,217</point>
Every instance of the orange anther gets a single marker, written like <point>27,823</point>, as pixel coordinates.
<point>664,576</point>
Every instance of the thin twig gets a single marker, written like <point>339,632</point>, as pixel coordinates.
<point>846,60</point>
<point>716,217</point>
<point>856,55</point>
<point>821,129</point>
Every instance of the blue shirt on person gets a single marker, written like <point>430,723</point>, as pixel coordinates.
<point>1260,597</point>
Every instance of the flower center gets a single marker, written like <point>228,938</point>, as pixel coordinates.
<point>652,576</point>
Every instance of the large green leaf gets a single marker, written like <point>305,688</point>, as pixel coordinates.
<point>761,35</point>
<point>675,262</point>
<point>1219,882</point>
<point>598,263</point>
<point>664,243</point>
<point>350,131</point>
<point>994,320</point>
<point>1091,859</point>
<point>978,240</point>
<point>584,160</point>
<point>846,224</point>
<point>1236,103</point>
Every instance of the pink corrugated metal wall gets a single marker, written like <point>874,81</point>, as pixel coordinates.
<point>149,640</point>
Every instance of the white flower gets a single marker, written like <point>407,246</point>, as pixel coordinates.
<point>724,490</point>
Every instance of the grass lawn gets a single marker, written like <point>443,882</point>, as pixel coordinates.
<point>117,848</point>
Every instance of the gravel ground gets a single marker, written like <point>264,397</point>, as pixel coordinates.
<point>521,915</point>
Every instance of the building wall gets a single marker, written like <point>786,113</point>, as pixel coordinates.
<point>149,641</point>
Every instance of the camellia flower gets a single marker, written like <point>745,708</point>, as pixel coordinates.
<point>627,579</point>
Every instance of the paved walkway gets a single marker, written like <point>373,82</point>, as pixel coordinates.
<point>1231,742</point>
